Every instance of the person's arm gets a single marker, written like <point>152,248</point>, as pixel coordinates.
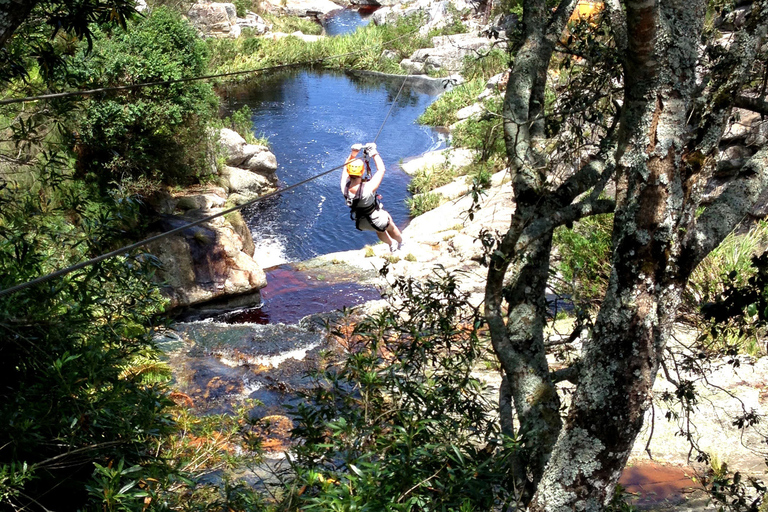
<point>380,169</point>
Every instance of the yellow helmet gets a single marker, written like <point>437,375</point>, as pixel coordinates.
<point>355,167</point>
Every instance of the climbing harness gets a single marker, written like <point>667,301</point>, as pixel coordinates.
<point>357,212</point>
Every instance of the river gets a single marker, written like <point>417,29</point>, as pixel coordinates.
<point>311,119</point>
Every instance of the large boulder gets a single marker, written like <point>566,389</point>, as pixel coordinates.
<point>448,52</point>
<point>214,19</point>
<point>236,150</point>
<point>206,262</point>
<point>244,185</point>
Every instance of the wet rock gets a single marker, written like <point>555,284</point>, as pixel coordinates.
<point>214,19</point>
<point>275,433</point>
<point>205,262</point>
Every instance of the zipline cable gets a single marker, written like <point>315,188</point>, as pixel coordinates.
<point>128,248</point>
<point>89,92</point>
<point>394,102</point>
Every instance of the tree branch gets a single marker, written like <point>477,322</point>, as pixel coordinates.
<point>567,215</point>
<point>618,24</point>
<point>722,216</point>
<point>570,373</point>
<point>758,105</point>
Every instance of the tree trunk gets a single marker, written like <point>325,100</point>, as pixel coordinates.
<point>663,153</point>
<point>12,14</point>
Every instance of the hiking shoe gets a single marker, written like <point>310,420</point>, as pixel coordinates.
<point>401,245</point>
<point>393,247</point>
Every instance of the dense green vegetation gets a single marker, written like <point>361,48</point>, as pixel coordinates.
<point>156,133</point>
<point>399,422</point>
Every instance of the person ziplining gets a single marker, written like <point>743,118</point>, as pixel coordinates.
<point>360,194</point>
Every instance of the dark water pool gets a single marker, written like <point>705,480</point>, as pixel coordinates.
<point>290,295</point>
<point>311,120</point>
<point>345,21</point>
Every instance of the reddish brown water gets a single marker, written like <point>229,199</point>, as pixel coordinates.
<point>651,483</point>
<point>292,294</point>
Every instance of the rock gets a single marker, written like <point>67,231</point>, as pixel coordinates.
<point>389,55</point>
<point>244,183</point>
<point>214,19</point>
<point>302,8</point>
<point>470,111</point>
<point>141,5</point>
<point>414,68</point>
<point>264,162</point>
<point>241,228</point>
<point>460,157</point>
<point>199,201</point>
<point>275,432</point>
<point>449,51</point>
<point>255,23</point>
<point>467,247</point>
<point>205,262</point>
<point>748,127</point>
<point>734,20</point>
<point>236,150</point>
<point>383,16</point>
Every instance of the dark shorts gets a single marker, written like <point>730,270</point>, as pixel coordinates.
<point>379,221</point>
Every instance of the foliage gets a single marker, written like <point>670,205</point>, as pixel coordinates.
<point>453,22</point>
<point>423,203</point>
<point>42,40</point>
<point>486,65</point>
<point>442,112</point>
<point>585,258</point>
<point>361,49</point>
<point>430,178</point>
<point>731,264</point>
<point>485,134</point>
<point>398,422</point>
<point>66,399</point>
<point>291,24</point>
<point>241,121</point>
<point>159,131</point>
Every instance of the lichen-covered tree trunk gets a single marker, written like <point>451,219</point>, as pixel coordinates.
<point>663,153</point>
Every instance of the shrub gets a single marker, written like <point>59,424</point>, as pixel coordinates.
<point>423,203</point>
<point>585,258</point>
<point>442,112</point>
<point>159,131</point>
<point>398,421</point>
<point>485,134</point>
<point>76,389</point>
<point>430,178</point>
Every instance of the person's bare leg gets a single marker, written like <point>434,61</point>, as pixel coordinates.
<point>393,231</point>
<point>384,237</point>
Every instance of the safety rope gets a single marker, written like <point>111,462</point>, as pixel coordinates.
<point>89,92</point>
